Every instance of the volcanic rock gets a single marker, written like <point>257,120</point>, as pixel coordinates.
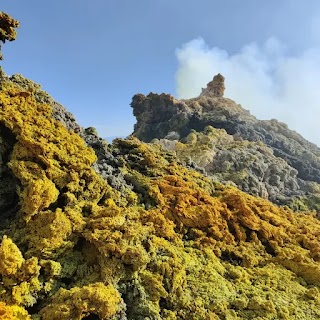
<point>156,241</point>
<point>177,245</point>
<point>159,115</point>
<point>251,166</point>
<point>215,88</point>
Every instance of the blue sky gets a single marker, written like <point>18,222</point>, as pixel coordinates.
<point>93,56</point>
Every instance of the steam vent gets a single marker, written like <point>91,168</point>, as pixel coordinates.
<point>215,88</point>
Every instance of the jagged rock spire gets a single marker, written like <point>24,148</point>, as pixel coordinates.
<point>215,88</point>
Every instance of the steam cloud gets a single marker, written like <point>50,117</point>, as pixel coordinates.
<point>264,79</point>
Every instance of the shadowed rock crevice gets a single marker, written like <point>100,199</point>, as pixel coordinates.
<point>91,316</point>
<point>9,199</point>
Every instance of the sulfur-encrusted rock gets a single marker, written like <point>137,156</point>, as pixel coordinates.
<point>105,165</point>
<point>174,245</point>
<point>159,115</point>
<point>60,113</point>
<point>7,29</point>
<point>142,236</point>
<point>215,88</point>
<point>251,166</point>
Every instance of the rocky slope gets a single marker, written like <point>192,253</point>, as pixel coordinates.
<point>124,231</point>
<point>264,158</point>
<point>137,231</point>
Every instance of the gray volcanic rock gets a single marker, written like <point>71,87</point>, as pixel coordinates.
<point>251,166</point>
<point>107,165</point>
<point>261,157</point>
<point>158,115</point>
<point>61,114</point>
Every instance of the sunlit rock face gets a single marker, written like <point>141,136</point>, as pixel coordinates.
<point>215,88</point>
<point>286,173</point>
<point>133,231</point>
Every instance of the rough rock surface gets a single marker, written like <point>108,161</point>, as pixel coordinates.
<point>178,246</point>
<point>160,115</point>
<point>7,29</point>
<point>106,165</point>
<point>60,113</point>
<point>215,88</point>
<point>251,166</point>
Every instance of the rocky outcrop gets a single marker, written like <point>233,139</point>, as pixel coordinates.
<point>215,88</point>
<point>177,245</point>
<point>180,246</point>
<point>251,166</point>
<point>59,112</point>
<point>128,232</point>
<point>161,115</point>
<point>106,164</point>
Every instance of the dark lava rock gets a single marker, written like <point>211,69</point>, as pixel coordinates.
<point>107,164</point>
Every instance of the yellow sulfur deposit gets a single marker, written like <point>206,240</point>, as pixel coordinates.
<point>177,246</point>
<point>8,312</point>
<point>98,299</point>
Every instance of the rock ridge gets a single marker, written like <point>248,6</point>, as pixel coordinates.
<point>160,116</point>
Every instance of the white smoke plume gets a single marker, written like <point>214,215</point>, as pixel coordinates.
<point>264,79</point>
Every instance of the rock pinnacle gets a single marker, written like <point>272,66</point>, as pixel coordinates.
<point>215,88</point>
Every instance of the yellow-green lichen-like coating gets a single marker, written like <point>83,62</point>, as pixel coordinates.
<point>11,258</point>
<point>13,312</point>
<point>183,247</point>
<point>7,28</point>
<point>77,303</point>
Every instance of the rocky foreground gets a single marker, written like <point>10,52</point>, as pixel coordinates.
<point>136,231</point>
